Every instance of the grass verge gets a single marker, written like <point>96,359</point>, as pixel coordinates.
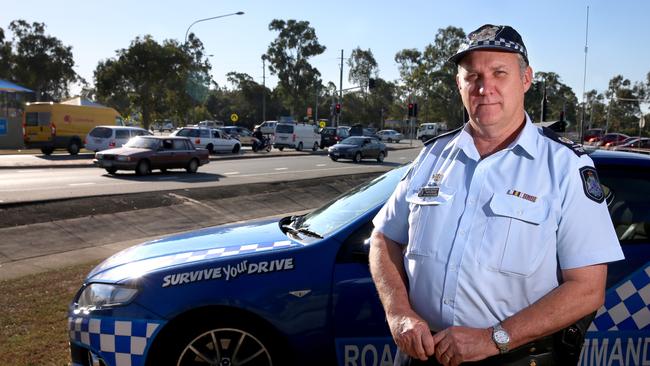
<point>33,320</point>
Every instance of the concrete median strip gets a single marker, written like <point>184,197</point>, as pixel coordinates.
<point>67,232</point>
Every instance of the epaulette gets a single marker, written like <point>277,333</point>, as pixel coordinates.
<point>576,148</point>
<point>427,142</point>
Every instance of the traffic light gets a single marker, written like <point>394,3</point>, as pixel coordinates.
<point>410,109</point>
<point>338,108</point>
<point>413,109</point>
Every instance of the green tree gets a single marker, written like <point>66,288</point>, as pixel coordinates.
<point>363,66</point>
<point>39,61</point>
<point>5,57</point>
<point>288,57</point>
<point>155,80</point>
<point>560,98</point>
<point>624,109</point>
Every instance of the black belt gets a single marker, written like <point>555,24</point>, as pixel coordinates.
<point>536,353</point>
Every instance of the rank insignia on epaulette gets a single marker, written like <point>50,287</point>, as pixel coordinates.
<point>591,184</point>
<point>429,191</point>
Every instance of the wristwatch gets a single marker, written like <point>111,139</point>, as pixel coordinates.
<point>501,338</point>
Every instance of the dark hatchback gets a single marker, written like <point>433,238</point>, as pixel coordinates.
<point>332,135</point>
<point>357,148</point>
<point>145,153</point>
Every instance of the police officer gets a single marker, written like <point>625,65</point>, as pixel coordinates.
<point>465,253</point>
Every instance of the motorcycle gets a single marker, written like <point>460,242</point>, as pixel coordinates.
<point>264,144</point>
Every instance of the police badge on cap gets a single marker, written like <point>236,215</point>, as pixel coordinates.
<point>492,37</point>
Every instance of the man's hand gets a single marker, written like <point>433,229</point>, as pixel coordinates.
<point>412,335</point>
<point>456,345</point>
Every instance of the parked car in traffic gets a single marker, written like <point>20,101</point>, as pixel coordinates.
<point>593,135</point>
<point>297,136</point>
<point>108,137</point>
<point>243,134</point>
<point>162,126</point>
<point>390,136</point>
<point>332,135</point>
<point>636,144</point>
<point>146,153</point>
<point>358,148</point>
<point>430,130</point>
<point>212,139</point>
<point>210,124</point>
<point>297,291</point>
<point>267,127</point>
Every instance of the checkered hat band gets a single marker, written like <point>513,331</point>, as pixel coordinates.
<point>500,43</point>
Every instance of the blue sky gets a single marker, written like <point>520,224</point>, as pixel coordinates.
<point>553,30</point>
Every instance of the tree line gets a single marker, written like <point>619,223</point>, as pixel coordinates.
<point>151,80</point>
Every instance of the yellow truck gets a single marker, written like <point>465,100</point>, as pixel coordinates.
<point>49,126</point>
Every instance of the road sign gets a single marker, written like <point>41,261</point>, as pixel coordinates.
<point>234,117</point>
<point>642,121</point>
<point>322,124</point>
<point>309,111</point>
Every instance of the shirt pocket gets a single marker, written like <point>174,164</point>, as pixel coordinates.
<point>426,217</point>
<point>517,235</point>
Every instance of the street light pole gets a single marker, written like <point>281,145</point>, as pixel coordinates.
<point>203,20</point>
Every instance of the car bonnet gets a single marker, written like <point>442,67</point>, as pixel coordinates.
<point>210,244</point>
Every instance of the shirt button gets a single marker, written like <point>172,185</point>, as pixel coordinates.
<point>520,212</point>
<point>452,268</point>
<point>461,232</point>
<point>448,301</point>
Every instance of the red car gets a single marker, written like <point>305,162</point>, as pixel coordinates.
<point>592,136</point>
<point>612,139</point>
<point>145,153</point>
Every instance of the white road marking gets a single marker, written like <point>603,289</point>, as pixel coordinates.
<point>281,168</point>
<point>403,158</point>
<point>81,184</point>
<point>230,173</point>
<point>321,164</point>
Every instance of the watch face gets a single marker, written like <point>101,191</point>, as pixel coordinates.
<point>501,337</point>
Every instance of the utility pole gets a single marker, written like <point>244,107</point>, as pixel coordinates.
<point>263,89</point>
<point>584,81</point>
<point>316,107</point>
<point>338,116</point>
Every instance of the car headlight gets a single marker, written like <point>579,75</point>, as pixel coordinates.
<point>123,158</point>
<point>99,156</point>
<point>102,295</point>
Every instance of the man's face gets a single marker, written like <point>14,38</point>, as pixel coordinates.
<point>492,87</point>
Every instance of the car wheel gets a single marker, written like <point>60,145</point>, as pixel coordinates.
<point>111,170</point>
<point>210,148</point>
<point>142,168</point>
<point>47,150</point>
<point>299,148</point>
<point>333,158</point>
<point>280,148</point>
<point>381,156</point>
<point>218,342</point>
<point>357,157</point>
<point>192,166</point>
<point>315,148</point>
<point>235,149</point>
<point>73,147</point>
<point>163,170</point>
<point>390,139</point>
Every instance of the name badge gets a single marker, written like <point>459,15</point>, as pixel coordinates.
<point>428,192</point>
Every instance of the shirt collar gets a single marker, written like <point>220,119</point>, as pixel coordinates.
<point>527,140</point>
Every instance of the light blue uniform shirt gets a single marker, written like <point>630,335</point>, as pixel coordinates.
<point>483,236</point>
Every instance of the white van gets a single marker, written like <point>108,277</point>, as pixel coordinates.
<point>296,136</point>
<point>108,137</point>
<point>427,131</point>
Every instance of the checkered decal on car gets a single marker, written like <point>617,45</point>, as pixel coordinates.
<point>627,305</point>
<point>118,342</point>
<point>205,254</point>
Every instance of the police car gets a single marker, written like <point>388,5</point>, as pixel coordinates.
<point>298,291</point>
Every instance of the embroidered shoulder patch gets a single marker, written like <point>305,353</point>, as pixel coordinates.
<point>576,148</point>
<point>591,184</point>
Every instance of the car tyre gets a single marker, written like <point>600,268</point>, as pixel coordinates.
<point>221,340</point>
<point>381,156</point>
<point>236,148</point>
<point>299,148</point>
<point>73,147</point>
<point>390,139</point>
<point>47,150</point>
<point>357,157</point>
<point>142,168</point>
<point>192,166</point>
<point>315,147</point>
<point>163,170</point>
<point>333,158</point>
<point>280,148</point>
<point>210,148</point>
<point>111,171</point>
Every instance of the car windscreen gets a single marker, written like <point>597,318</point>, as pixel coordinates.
<point>353,204</point>
<point>284,129</point>
<point>33,119</point>
<point>328,131</point>
<point>101,132</point>
<point>141,142</point>
<point>358,141</point>
<point>188,132</point>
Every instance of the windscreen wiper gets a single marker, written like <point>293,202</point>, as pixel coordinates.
<point>292,230</point>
